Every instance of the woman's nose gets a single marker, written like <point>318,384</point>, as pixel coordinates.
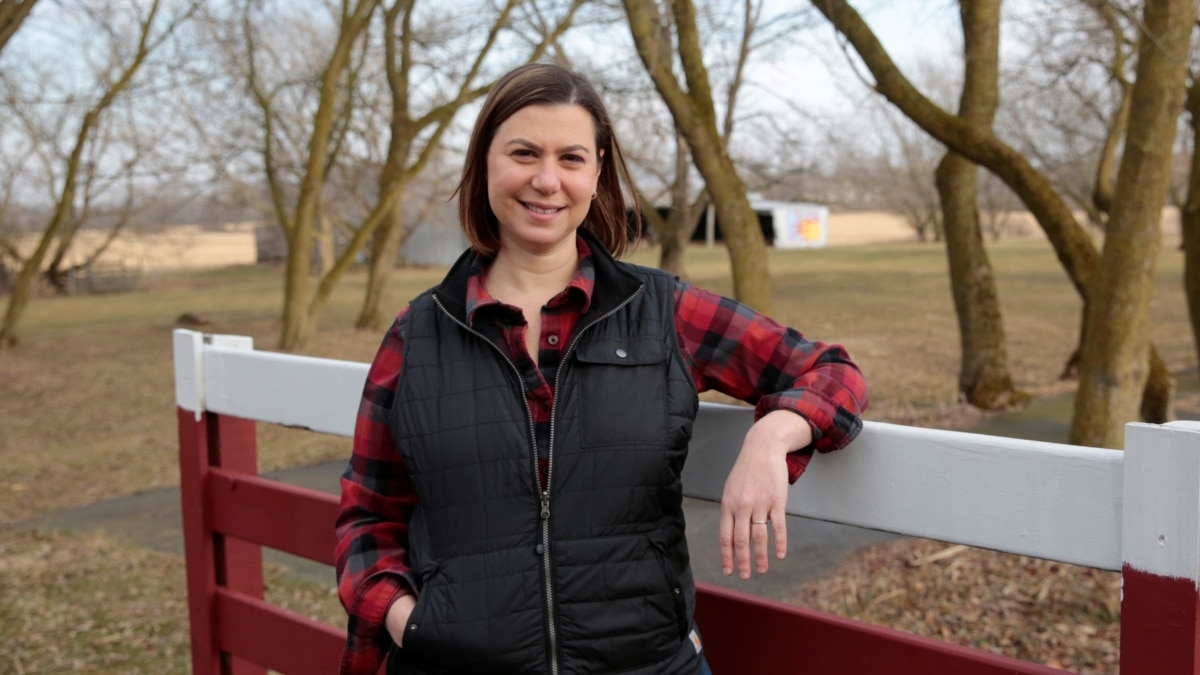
<point>546,179</point>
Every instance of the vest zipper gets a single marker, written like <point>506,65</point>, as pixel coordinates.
<point>550,476</point>
<point>544,495</point>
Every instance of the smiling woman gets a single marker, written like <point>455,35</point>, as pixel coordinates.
<point>513,503</point>
<point>543,170</point>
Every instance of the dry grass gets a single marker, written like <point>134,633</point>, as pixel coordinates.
<point>88,414</point>
<point>1053,613</point>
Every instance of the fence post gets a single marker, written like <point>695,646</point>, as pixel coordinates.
<point>208,440</point>
<point>1160,551</point>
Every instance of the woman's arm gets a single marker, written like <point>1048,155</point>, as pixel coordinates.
<point>808,397</point>
<point>377,500</point>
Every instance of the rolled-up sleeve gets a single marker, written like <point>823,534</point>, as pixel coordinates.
<point>732,349</point>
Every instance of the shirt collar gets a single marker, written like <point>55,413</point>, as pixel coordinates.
<point>578,291</point>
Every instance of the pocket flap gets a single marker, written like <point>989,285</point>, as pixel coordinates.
<point>622,351</point>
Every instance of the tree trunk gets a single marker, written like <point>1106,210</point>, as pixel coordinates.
<point>695,117</point>
<point>1113,362</point>
<point>18,299</point>
<point>1189,218</point>
<point>983,377</point>
<point>12,14</point>
<point>384,249</point>
<point>297,330</point>
<point>325,250</point>
<point>681,222</point>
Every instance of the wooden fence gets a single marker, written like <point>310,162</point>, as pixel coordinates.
<point>1137,512</point>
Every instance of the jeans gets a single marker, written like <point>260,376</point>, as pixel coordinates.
<point>704,669</point>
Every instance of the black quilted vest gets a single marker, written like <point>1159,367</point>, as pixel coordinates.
<point>591,576</point>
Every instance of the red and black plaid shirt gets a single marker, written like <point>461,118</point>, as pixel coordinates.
<point>728,347</point>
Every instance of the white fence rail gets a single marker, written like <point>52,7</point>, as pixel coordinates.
<point>1046,500</point>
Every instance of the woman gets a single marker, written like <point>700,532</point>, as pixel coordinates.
<point>513,502</point>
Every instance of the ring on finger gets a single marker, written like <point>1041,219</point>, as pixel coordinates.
<point>760,522</point>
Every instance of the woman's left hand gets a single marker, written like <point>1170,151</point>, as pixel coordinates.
<point>755,495</point>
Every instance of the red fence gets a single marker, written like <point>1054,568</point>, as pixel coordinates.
<point>230,513</point>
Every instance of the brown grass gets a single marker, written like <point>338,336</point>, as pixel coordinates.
<point>88,414</point>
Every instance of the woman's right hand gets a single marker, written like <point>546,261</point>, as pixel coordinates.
<point>397,617</point>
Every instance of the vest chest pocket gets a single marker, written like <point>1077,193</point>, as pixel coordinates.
<point>623,391</point>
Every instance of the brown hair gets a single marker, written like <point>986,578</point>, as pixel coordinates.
<point>543,84</point>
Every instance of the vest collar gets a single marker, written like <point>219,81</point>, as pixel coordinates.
<point>614,284</point>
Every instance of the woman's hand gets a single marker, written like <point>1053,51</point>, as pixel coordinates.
<point>397,617</point>
<point>756,490</point>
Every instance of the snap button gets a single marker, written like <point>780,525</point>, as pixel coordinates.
<point>553,339</point>
<point>621,353</point>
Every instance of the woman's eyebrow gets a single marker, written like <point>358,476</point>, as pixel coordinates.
<point>574,147</point>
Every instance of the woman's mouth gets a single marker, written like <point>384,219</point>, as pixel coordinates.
<point>542,209</point>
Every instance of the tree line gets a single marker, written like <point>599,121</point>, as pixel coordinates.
<point>340,121</point>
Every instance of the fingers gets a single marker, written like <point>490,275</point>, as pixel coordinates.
<point>759,530</point>
<point>735,539</point>
<point>725,538</point>
<point>779,525</point>
<point>744,540</point>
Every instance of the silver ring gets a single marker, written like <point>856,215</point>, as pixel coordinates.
<point>759,522</point>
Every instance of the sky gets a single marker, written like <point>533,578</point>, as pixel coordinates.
<point>913,32</point>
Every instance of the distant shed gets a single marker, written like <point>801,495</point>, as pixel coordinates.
<point>783,224</point>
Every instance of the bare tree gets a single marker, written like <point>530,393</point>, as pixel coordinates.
<point>694,114</point>
<point>983,376</point>
<point>1189,200</point>
<point>324,131</point>
<point>381,105</point>
<point>663,182</point>
<point>75,173</point>
<point>1075,249</point>
<point>675,230</point>
<point>1113,362</point>
<point>1069,105</point>
<point>1190,214</point>
<point>12,14</point>
<point>906,177</point>
<point>416,135</point>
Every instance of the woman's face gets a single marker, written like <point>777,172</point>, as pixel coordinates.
<point>542,170</point>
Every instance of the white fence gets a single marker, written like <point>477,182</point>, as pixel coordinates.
<point>1136,511</point>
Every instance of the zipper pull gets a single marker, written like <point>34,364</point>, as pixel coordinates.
<point>545,504</point>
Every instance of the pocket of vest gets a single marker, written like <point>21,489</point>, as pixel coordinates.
<point>618,608</point>
<point>413,635</point>
<point>673,582</point>
<point>463,621</point>
<point>623,385</point>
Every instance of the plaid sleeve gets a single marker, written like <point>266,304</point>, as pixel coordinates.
<point>747,355</point>
<point>377,501</point>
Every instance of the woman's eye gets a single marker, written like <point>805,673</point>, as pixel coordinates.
<point>573,159</point>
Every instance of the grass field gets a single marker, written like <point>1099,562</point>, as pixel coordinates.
<point>87,410</point>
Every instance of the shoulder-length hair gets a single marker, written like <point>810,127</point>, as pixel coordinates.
<point>544,84</point>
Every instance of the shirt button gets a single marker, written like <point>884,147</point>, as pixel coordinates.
<point>553,339</point>
<point>621,353</point>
